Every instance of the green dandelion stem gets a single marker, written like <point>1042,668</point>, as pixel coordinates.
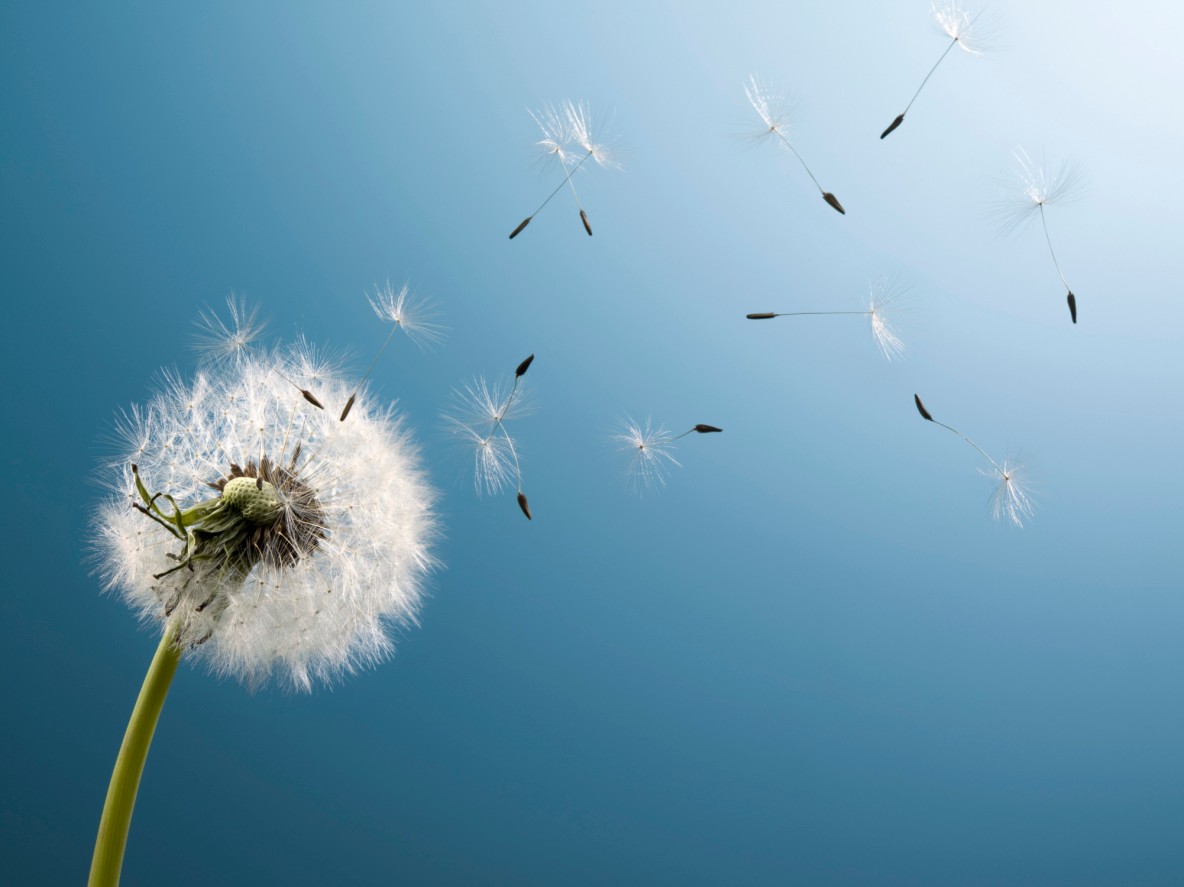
<point>125,778</point>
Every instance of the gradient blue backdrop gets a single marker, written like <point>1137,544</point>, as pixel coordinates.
<point>813,658</point>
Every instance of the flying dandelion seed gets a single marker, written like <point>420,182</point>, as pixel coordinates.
<point>404,312</point>
<point>883,292</point>
<point>567,142</point>
<point>1034,188</point>
<point>648,446</point>
<point>219,339</point>
<point>1010,498</point>
<point>259,533</point>
<point>774,111</point>
<point>478,417</point>
<point>972,33</point>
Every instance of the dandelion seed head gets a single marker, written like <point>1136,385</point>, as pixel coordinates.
<point>219,339</point>
<point>580,129</point>
<point>883,292</point>
<point>413,315</point>
<point>1011,499</point>
<point>1035,186</point>
<point>973,33</point>
<point>774,110</point>
<point>650,459</point>
<point>556,130</point>
<point>477,416</point>
<point>307,537</point>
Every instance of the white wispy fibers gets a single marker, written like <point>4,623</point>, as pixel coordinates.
<point>974,33</point>
<point>408,312</point>
<point>648,446</point>
<point>272,539</point>
<point>569,139</point>
<point>1033,187</point>
<point>649,449</point>
<point>403,311</point>
<point>477,417</point>
<point>221,339</point>
<point>1010,499</point>
<point>774,111</point>
<point>883,293</point>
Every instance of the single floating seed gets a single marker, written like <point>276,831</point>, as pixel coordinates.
<point>524,505</point>
<point>518,230</point>
<point>761,315</point>
<point>891,126</point>
<point>706,429</point>
<point>584,219</point>
<point>921,409</point>
<point>833,201</point>
<point>311,398</point>
<point>349,405</point>
<point>1072,300</point>
<point>524,366</point>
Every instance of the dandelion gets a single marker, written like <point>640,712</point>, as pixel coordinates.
<point>1010,499</point>
<point>261,535</point>
<point>883,292</point>
<point>568,142</point>
<point>220,339</point>
<point>478,418</point>
<point>1037,188</point>
<point>774,112</point>
<point>972,33</point>
<point>649,448</point>
<point>404,312</point>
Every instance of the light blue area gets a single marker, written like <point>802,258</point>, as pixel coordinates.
<point>813,658</point>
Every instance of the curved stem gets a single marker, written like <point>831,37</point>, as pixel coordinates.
<point>817,313</point>
<point>972,443</point>
<point>794,150</point>
<point>129,765</point>
<point>559,187</point>
<point>930,74</point>
<point>1050,249</point>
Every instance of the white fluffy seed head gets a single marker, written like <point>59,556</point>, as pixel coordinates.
<point>314,589</point>
<point>570,136</point>
<point>1011,499</point>
<point>219,340</point>
<point>477,417</point>
<point>648,447</point>
<point>883,292</point>
<point>773,109</point>
<point>1032,187</point>
<point>974,33</point>
<point>413,315</point>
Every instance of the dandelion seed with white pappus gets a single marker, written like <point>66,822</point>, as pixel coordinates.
<point>478,417</point>
<point>972,33</point>
<point>648,446</point>
<point>566,129</point>
<point>261,534</point>
<point>774,110</point>
<point>1034,188</point>
<point>220,339</point>
<point>404,312</point>
<point>883,292</point>
<point>1010,498</point>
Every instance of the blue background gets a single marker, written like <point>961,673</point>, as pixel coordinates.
<point>813,658</point>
